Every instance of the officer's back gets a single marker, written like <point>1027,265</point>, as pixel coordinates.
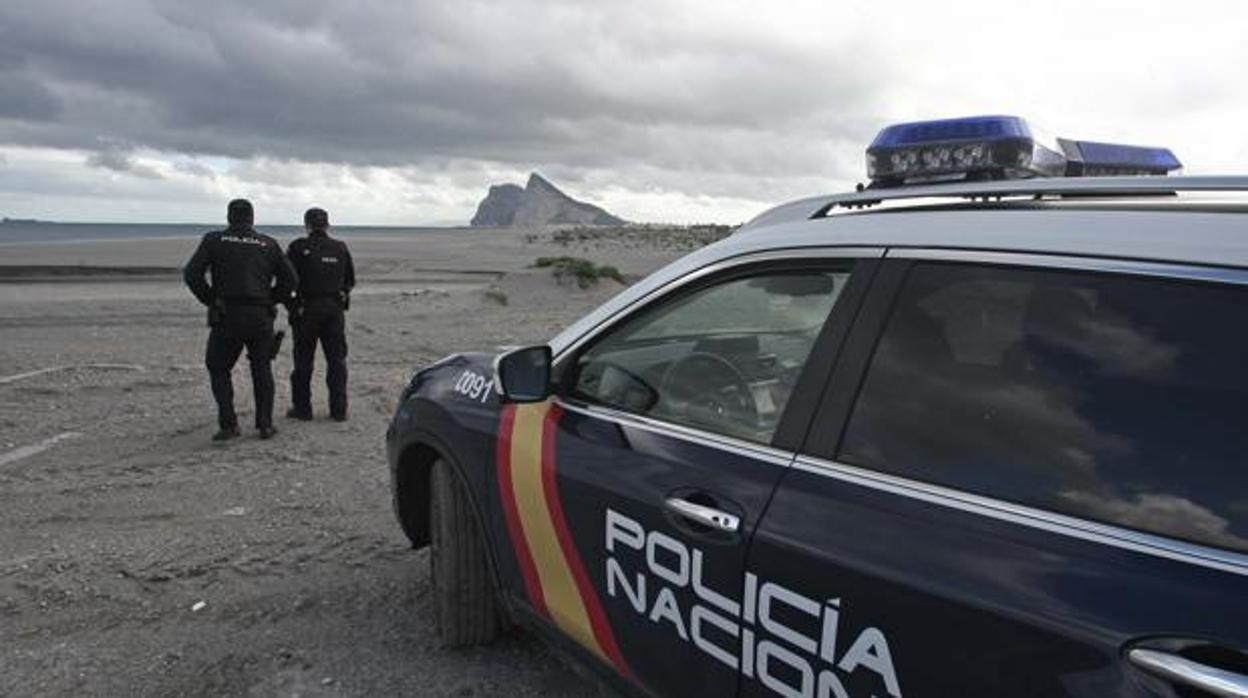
<point>247,275</point>
<point>325,270</point>
<point>326,277</point>
<point>241,264</point>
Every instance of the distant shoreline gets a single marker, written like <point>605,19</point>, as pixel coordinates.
<point>50,232</point>
<point>7,221</point>
<point>53,233</point>
<point>34,273</point>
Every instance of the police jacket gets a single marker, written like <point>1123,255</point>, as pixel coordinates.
<point>243,265</point>
<point>324,266</point>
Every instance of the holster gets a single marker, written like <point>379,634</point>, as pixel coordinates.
<point>294,312</point>
<point>216,313</point>
<point>277,344</point>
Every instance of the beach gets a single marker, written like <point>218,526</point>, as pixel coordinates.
<point>140,558</point>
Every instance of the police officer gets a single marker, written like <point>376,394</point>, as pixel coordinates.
<point>249,275</point>
<point>326,277</point>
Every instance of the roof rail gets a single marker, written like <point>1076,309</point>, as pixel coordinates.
<point>1036,188</point>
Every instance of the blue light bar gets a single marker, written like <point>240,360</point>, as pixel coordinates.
<point>1088,159</point>
<point>968,128</point>
<point>971,148</point>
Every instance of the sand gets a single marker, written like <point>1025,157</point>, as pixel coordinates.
<point>138,558</point>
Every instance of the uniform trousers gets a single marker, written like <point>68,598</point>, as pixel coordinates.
<point>323,322</point>
<point>247,327</point>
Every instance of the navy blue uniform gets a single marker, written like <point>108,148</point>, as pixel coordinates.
<point>248,275</point>
<point>326,277</point>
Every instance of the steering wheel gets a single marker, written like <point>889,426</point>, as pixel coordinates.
<point>707,389</point>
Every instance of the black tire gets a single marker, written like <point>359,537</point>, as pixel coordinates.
<point>465,605</point>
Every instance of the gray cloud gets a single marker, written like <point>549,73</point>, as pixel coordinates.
<point>194,169</point>
<point>120,158</point>
<point>672,108</point>
<point>23,98</point>
<point>379,83</point>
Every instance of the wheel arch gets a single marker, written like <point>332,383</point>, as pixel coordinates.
<point>412,492</point>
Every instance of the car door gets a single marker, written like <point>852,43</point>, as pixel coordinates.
<point>630,497</point>
<point>1027,479</point>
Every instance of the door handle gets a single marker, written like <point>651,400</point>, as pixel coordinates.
<point>1182,670</point>
<point>707,516</point>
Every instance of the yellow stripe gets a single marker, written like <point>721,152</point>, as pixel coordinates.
<point>563,599</point>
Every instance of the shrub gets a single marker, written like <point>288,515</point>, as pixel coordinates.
<point>583,271</point>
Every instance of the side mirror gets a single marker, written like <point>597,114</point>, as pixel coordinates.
<point>523,375</point>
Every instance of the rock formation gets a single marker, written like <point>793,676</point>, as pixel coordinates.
<point>538,203</point>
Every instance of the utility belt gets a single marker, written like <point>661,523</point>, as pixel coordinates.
<point>218,310</point>
<point>247,301</point>
<point>340,299</point>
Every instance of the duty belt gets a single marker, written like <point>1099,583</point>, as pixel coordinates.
<point>260,302</point>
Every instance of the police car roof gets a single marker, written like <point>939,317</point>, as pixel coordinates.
<point>1125,217</point>
<point>1141,218</point>
<point>1121,190</point>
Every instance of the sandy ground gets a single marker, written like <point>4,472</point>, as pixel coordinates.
<point>138,558</point>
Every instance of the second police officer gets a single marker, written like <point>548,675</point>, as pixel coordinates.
<point>326,277</point>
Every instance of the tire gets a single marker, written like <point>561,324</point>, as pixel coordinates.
<point>465,604</point>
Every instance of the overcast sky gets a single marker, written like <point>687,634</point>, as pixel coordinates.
<point>390,112</point>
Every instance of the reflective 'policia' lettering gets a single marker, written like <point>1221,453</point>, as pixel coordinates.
<point>242,240</point>
<point>659,564</point>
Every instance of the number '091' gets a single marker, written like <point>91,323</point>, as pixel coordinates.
<point>473,385</point>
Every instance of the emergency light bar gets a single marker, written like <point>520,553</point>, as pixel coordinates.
<point>1089,159</point>
<point>998,147</point>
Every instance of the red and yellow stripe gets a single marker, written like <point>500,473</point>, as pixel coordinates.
<point>554,575</point>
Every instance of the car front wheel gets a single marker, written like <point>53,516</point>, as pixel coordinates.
<point>465,605</point>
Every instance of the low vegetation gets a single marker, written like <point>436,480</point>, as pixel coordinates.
<point>496,295</point>
<point>679,238</point>
<point>584,272</point>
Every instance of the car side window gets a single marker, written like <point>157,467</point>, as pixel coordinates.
<point>723,358</point>
<point>1109,397</point>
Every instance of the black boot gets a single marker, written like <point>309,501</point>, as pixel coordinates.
<point>301,415</point>
<point>267,432</point>
<point>226,433</point>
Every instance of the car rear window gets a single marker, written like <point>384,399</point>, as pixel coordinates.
<point>1109,397</point>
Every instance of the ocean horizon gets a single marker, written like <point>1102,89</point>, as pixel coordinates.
<point>30,231</point>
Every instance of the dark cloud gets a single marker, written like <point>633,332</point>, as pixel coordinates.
<point>120,158</point>
<point>22,98</point>
<point>578,86</point>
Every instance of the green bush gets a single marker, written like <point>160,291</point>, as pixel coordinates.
<point>583,271</point>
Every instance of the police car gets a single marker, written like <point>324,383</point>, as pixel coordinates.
<point>977,429</point>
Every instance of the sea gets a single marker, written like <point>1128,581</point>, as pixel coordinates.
<point>27,231</point>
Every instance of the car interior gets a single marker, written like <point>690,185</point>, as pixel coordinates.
<point>731,366</point>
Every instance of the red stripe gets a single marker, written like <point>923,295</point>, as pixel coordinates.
<point>507,493</point>
<point>597,617</point>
